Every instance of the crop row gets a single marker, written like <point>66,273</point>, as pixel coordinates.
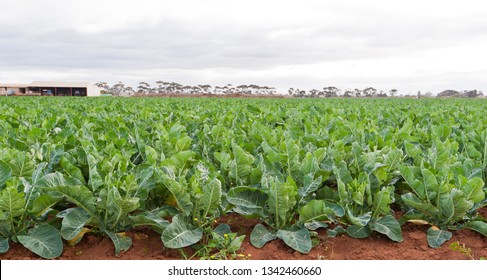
<point>72,166</point>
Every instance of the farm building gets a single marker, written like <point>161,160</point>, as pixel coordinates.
<point>51,89</point>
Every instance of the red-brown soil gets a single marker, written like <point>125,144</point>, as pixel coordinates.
<point>147,245</point>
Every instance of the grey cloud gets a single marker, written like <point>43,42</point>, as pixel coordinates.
<point>176,46</point>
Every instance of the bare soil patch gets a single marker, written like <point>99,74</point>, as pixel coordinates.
<point>147,245</point>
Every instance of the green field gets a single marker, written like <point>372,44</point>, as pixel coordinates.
<point>75,166</point>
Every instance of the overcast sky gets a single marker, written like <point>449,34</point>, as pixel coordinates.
<point>409,45</point>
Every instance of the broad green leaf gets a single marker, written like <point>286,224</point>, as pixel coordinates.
<point>3,217</point>
<point>299,240</point>
<point>358,187</point>
<point>179,160</point>
<point>81,196</point>
<point>474,190</point>
<point>429,181</point>
<point>4,246</point>
<point>309,165</point>
<point>44,203</point>
<point>44,240</point>
<point>315,225</point>
<point>339,230</point>
<point>211,199</point>
<point>273,155</point>
<point>224,159</point>
<point>242,164</point>
<point>95,180</point>
<point>151,218</point>
<point>409,175</point>
<point>221,230</point>
<point>181,233</point>
<point>73,223</point>
<point>57,179</point>
<point>236,244</point>
<point>436,237</point>
<point>22,165</point>
<point>291,150</point>
<point>361,220</point>
<point>382,200</point>
<point>182,198</point>
<point>54,154</point>
<point>261,235</point>
<point>341,172</point>
<point>309,186</point>
<point>5,173</point>
<point>247,200</point>
<point>412,201</point>
<point>446,208</point>
<point>72,170</point>
<point>478,226</point>
<point>356,231</point>
<point>413,151</point>
<point>337,208</point>
<point>389,226</point>
<point>12,202</point>
<point>393,159</point>
<point>145,178</point>
<point>315,210</point>
<point>121,241</point>
<point>282,198</point>
<point>460,205</point>
<point>342,192</point>
<point>5,227</point>
<point>39,172</point>
<point>119,207</point>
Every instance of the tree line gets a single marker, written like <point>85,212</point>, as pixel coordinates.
<point>163,87</point>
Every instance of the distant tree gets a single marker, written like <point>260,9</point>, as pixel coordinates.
<point>102,85</point>
<point>470,93</point>
<point>186,90</point>
<point>370,92</point>
<point>206,89</point>
<point>313,92</point>
<point>161,86</point>
<point>449,93</point>
<point>299,93</point>
<point>242,89</point>
<point>118,88</point>
<point>129,90</point>
<point>143,88</point>
<point>348,93</point>
<point>357,92</point>
<point>393,92</point>
<point>331,91</point>
<point>419,94</point>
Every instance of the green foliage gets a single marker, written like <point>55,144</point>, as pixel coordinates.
<point>74,166</point>
<point>181,233</point>
<point>44,240</point>
<point>463,249</point>
<point>221,244</point>
<point>445,192</point>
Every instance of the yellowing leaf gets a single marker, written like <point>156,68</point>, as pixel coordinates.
<point>78,237</point>
<point>418,222</point>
